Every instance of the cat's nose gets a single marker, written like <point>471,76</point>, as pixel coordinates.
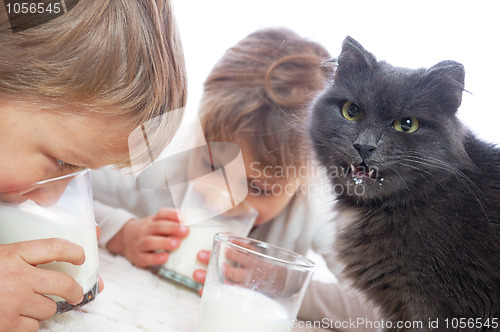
<point>364,150</point>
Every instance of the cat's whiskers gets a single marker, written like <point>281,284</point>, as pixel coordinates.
<point>461,176</point>
<point>441,183</point>
<point>404,181</point>
<point>403,161</point>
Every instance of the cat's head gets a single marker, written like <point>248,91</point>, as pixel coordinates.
<point>381,130</point>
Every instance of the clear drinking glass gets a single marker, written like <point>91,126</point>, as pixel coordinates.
<point>252,286</point>
<point>208,210</point>
<point>61,208</point>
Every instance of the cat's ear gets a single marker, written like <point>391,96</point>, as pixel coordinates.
<point>447,79</point>
<point>353,60</point>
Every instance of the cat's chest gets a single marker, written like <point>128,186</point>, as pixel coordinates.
<point>373,244</point>
<point>382,232</point>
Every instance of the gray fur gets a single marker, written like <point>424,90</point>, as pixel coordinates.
<point>425,242</point>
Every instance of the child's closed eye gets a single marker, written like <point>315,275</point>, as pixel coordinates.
<point>68,167</point>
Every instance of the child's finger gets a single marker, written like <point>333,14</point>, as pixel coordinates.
<point>151,259</point>
<point>47,250</point>
<point>101,284</point>
<point>26,323</point>
<point>242,258</point>
<point>235,274</point>
<point>167,228</point>
<point>154,243</point>
<point>199,276</point>
<point>59,284</point>
<point>40,307</point>
<point>169,214</point>
<point>203,256</point>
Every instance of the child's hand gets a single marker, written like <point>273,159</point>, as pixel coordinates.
<point>199,275</point>
<point>241,268</point>
<point>98,233</point>
<point>22,304</point>
<point>147,241</point>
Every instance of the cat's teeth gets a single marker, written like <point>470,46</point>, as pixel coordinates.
<point>353,169</point>
<point>370,174</point>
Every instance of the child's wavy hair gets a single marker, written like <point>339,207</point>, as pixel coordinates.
<point>111,58</point>
<point>259,93</point>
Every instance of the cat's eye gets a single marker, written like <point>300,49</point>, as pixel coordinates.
<point>351,111</point>
<point>406,125</point>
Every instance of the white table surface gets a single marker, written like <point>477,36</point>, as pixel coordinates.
<point>133,300</point>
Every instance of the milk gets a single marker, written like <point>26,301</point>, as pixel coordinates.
<point>227,308</point>
<point>201,235</point>
<point>29,221</point>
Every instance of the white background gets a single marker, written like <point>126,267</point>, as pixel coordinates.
<point>412,34</point>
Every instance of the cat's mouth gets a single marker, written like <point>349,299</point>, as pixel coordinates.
<point>360,172</point>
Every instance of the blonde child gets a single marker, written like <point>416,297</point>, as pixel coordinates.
<point>72,89</point>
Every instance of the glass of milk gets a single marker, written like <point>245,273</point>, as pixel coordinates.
<point>252,286</point>
<point>208,209</point>
<point>63,209</point>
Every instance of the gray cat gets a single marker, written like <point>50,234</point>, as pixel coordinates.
<point>417,194</point>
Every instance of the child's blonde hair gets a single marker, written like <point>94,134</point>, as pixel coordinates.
<point>259,93</point>
<point>112,58</point>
